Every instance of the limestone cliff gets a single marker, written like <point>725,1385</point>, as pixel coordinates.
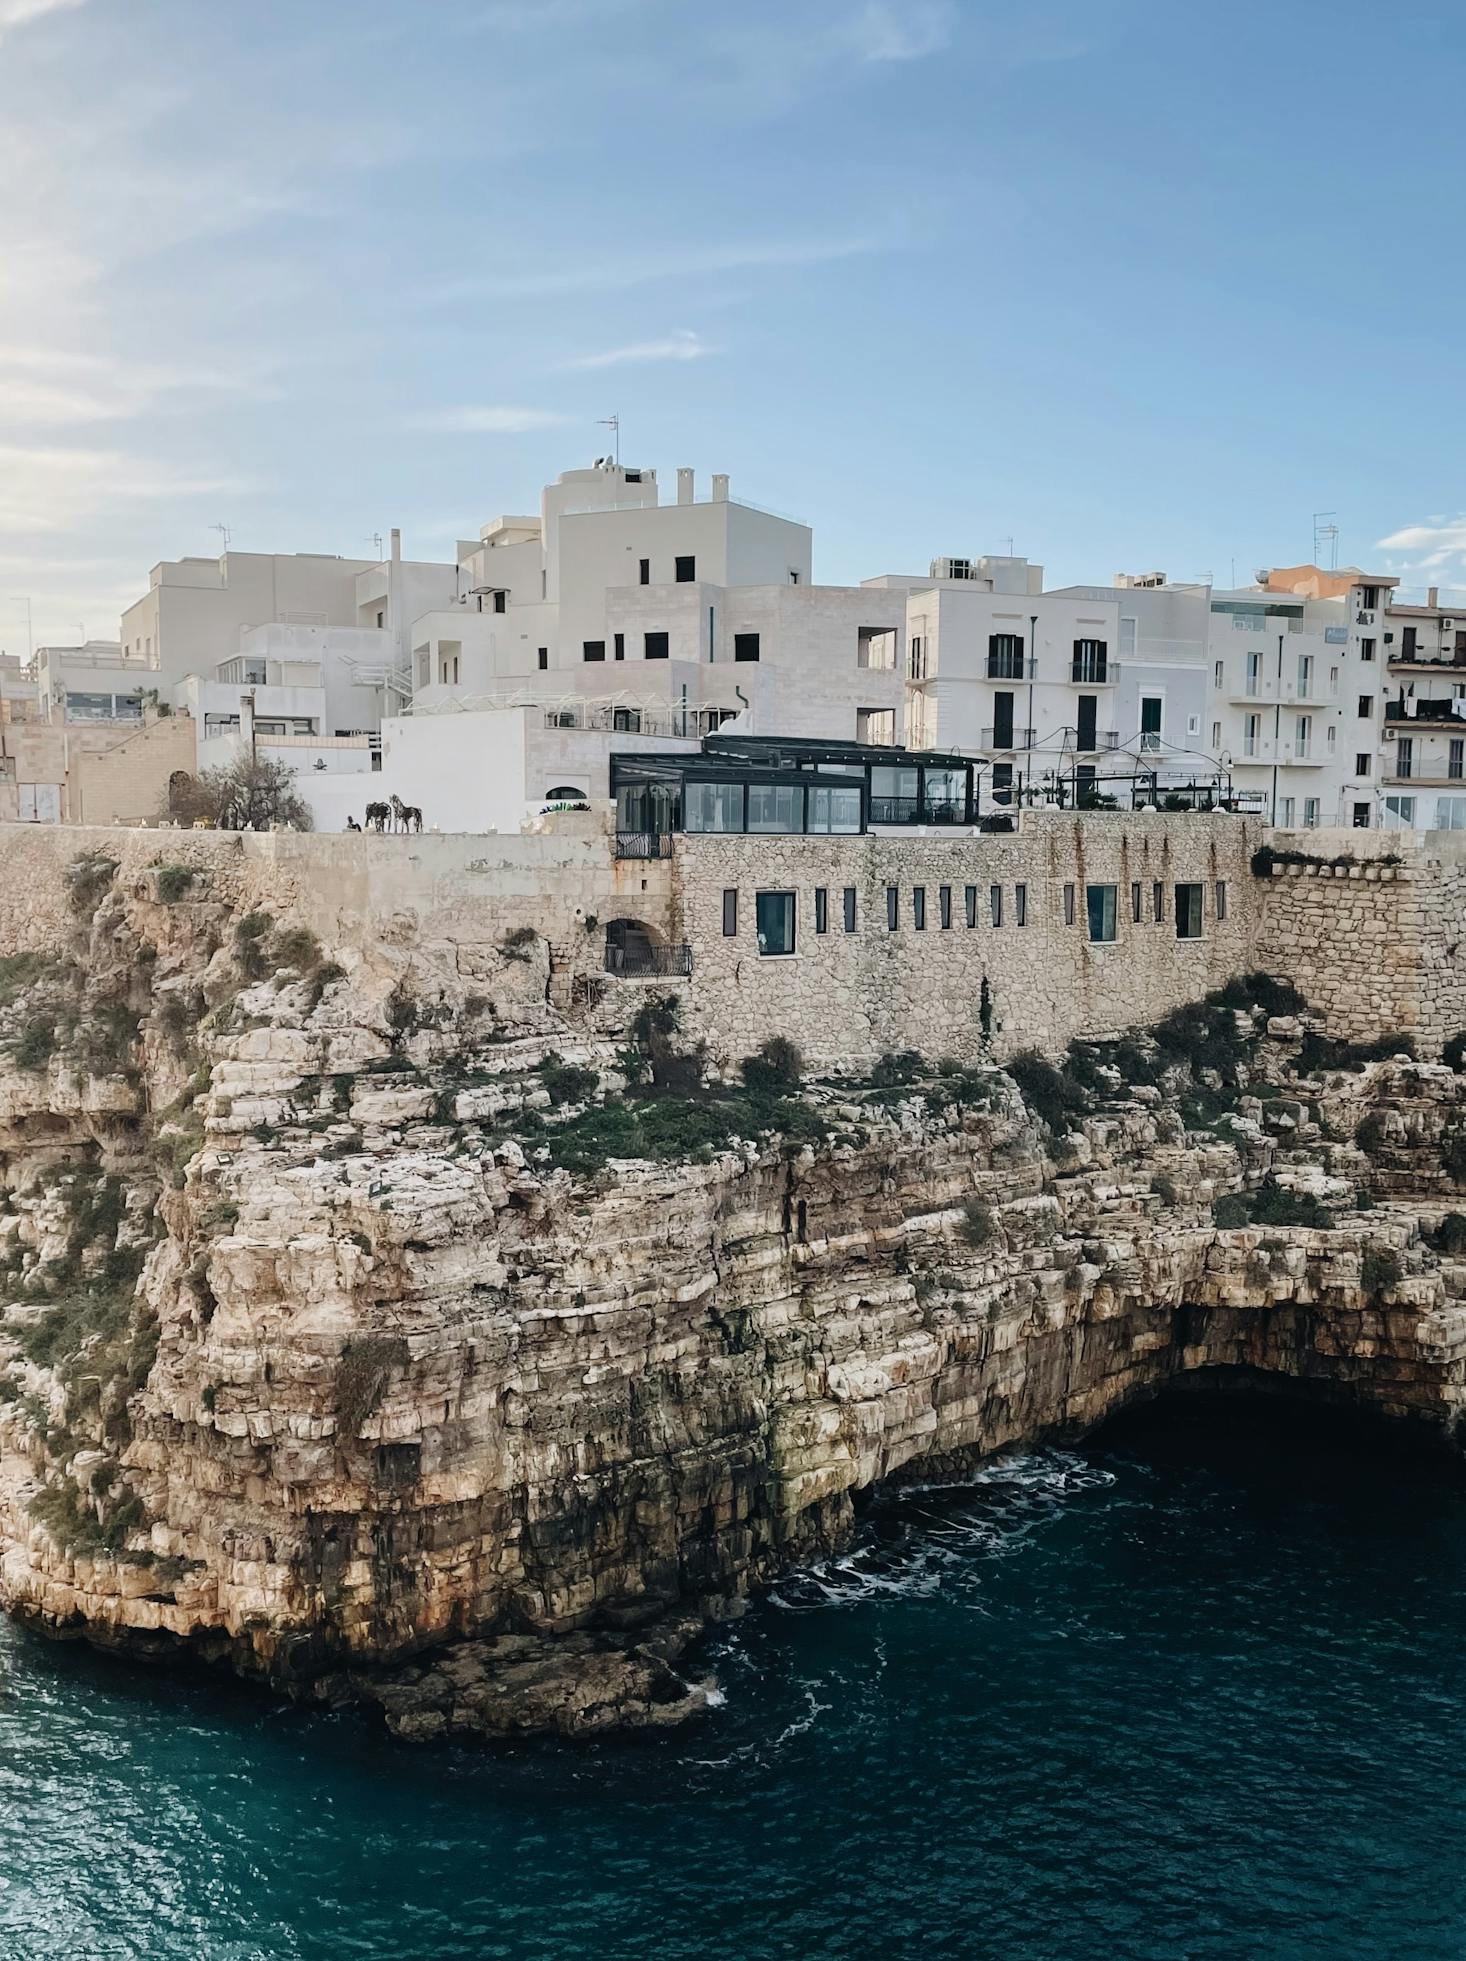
<point>341,1344</point>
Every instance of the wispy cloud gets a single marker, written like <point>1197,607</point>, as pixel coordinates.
<point>575,273</point>
<point>881,31</point>
<point>16,13</point>
<point>45,387</point>
<point>50,489</point>
<point>1438,543</point>
<point>469,419</point>
<point>683,345</point>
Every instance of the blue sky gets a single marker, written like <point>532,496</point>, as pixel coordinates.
<point>1132,284</point>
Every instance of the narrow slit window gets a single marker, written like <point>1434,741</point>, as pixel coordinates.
<point>730,911</point>
<point>1020,905</point>
<point>918,907</point>
<point>893,907</point>
<point>821,909</point>
<point>849,908</point>
<point>1221,899</point>
<point>944,905</point>
<point>970,900</point>
<point>1068,905</point>
<point>995,904</point>
<point>1135,901</point>
<point>1158,901</point>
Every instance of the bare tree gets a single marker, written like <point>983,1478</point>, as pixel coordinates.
<point>249,794</point>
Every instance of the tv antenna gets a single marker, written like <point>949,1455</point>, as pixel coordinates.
<point>1325,534</point>
<point>224,532</point>
<point>613,423</point>
<point>377,544</point>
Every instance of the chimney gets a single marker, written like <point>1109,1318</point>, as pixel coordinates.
<point>396,546</point>
<point>684,487</point>
<point>720,490</point>
<point>1432,597</point>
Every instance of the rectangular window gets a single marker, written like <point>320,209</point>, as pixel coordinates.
<point>849,908</point>
<point>995,904</point>
<point>745,646</point>
<point>1456,758</point>
<point>918,907</point>
<point>618,646</point>
<point>594,649</point>
<point>775,807</point>
<point>1221,672</point>
<point>893,907</point>
<point>730,911</point>
<point>501,599</point>
<point>1091,661</point>
<point>1405,755</point>
<point>1216,736</point>
<point>1188,912</point>
<point>832,809</point>
<point>1305,674</point>
<point>1254,674</point>
<point>656,646</point>
<point>1285,813</point>
<point>646,571</point>
<point>1158,900</point>
<point>1068,905</point>
<point>821,909</point>
<point>1221,900</point>
<point>1366,650</point>
<point>775,919</point>
<point>1362,763</point>
<point>1366,707</point>
<point>1135,901</point>
<point>1005,657</point>
<point>543,655</point>
<point>970,901</point>
<point>944,905</point>
<point>1020,905</point>
<point>1099,906</point>
<point>685,571</point>
<point>1310,813</point>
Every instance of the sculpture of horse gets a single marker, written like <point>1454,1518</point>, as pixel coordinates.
<point>406,816</point>
<point>377,815</point>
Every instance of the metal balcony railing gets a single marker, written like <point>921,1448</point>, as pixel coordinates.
<point>1011,667</point>
<point>1093,671</point>
<point>1007,738</point>
<point>648,962</point>
<point>643,844</point>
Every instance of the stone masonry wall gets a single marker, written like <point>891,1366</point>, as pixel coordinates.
<point>846,998</point>
<point>1376,947</point>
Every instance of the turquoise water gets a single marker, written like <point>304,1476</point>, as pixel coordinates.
<point>1197,1692</point>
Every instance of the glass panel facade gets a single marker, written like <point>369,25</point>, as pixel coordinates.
<point>713,806</point>
<point>945,792</point>
<point>775,807</point>
<point>1450,813</point>
<point>834,810</point>
<point>1100,904</point>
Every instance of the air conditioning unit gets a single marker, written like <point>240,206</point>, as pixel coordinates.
<point>1448,626</point>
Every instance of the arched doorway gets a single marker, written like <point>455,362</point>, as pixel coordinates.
<point>633,947</point>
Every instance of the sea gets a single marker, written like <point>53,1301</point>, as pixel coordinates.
<point>1195,1689</point>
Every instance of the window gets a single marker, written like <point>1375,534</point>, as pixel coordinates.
<point>685,571</point>
<point>1310,813</point>
<point>1369,595</point>
<point>1152,708</point>
<point>1002,782</point>
<point>1158,901</point>
<point>1285,813</point>
<point>1220,673</point>
<point>1366,650</point>
<point>1068,905</point>
<point>893,907</point>
<point>1005,657</point>
<point>1363,763</point>
<point>918,907</point>
<point>775,919</point>
<point>1333,680</point>
<point>543,654</point>
<point>730,911</point>
<point>1408,648</point>
<point>1405,756</point>
<point>618,646</point>
<point>970,904</point>
<point>594,649</point>
<point>1216,736</point>
<point>1455,759</point>
<point>1221,899</point>
<point>1254,674</point>
<point>646,571</point>
<point>501,600</point>
<point>1135,901</point>
<point>1302,735</point>
<point>1090,661</point>
<point>1252,735</point>
<point>1305,674</point>
<point>712,807</point>
<point>821,909</point>
<point>745,646</point>
<point>775,807</point>
<point>656,646</point>
<point>1020,905</point>
<point>944,906</point>
<point>1366,707</point>
<point>995,904</point>
<point>849,908</point>
<point>1188,912</point>
<point>832,809</point>
<point>1361,817</point>
<point>1450,813</point>
<point>1399,813</point>
<point>1331,738</point>
<point>1099,905</point>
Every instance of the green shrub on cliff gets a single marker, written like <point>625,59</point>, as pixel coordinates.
<point>1453,1052</point>
<point>1325,1052</point>
<point>17,972</point>
<point>363,1371</point>
<point>1054,1096</point>
<point>248,951</point>
<point>1453,1156</point>
<point>174,881</point>
<point>36,1043</point>
<point>1450,1235</point>
<point>1271,1204</point>
<point>1380,1269</point>
<point>979,1224</point>
<point>89,877</point>
<point>567,1082</point>
<point>776,1067</point>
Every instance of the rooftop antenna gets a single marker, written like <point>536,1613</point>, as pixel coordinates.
<point>1325,534</point>
<point>377,543</point>
<point>613,423</point>
<point>224,532</point>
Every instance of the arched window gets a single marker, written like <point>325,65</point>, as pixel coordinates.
<point>566,793</point>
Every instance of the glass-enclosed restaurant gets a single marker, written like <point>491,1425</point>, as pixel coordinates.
<point>767,784</point>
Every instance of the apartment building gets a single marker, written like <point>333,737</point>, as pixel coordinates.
<point>1423,731</point>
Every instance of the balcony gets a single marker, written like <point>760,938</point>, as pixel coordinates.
<point>643,844</point>
<point>1010,667</point>
<point>911,810</point>
<point>1441,712</point>
<point>1007,738</point>
<point>1426,657</point>
<point>1094,671</point>
<point>1095,742</point>
<point>649,962</point>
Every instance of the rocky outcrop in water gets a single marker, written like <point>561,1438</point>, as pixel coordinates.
<point>341,1345</point>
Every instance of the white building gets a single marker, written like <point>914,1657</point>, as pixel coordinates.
<point>1423,752</point>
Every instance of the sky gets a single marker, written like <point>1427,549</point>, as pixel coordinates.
<point>1133,285</point>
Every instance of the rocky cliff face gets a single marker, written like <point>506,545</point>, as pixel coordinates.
<point>340,1345</point>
